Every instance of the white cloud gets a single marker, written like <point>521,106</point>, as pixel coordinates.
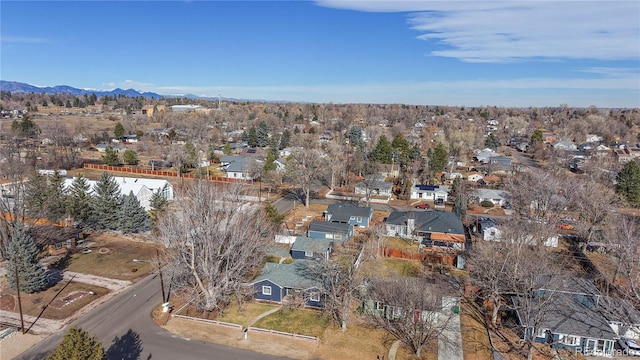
<point>11,39</point>
<point>507,31</point>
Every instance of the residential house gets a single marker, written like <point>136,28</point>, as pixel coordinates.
<point>308,248</point>
<point>55,240</point>
<point>593,138</point>
<point>483,156</point>
<point>240,167</point>
<point>623,318</point>
<point>281,283</point>
<point>497,197</point>
<point>340,232</point>
<point>349,213</point>
<point>564,145</point>
<point>437,231</point>
<point>488,229</point>
<point>389,170</point>
<point>574,318</point>
<point>500,160</point>
<point>430,192</point>
<point>103,148</point>
<point>374,185</point>
<point>474,176</point>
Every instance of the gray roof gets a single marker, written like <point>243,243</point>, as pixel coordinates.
<point>239,163</point>
<point>573,315</point>
<point>330,227</point>
<point>491,194</point>
<point>305,244</point>
<point>341,212</point>
<point>298,275</point>
<point>429,221</point>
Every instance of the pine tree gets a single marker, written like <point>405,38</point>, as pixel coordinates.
<point>129,157</point>
<point>79,200</point>
<point>78,344</point>
<point>438,158</point>
<point>23,251</point>
<point>383,152</point>
<point>491,142</point>
<point>35,197</point>
<point>355,137</point>
<point>252,137</point>
<point>106,203</point>
<point>158,204</point>
<point>460,205</point>
<point>119,131</point>
<point>285,139</point>
<point>110,156</point>
<point>56,198</point>
<point>628,182</point>
<point>133,217</point>
<point>262,133</point>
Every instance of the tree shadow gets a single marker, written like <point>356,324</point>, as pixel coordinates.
<point>127,346</point>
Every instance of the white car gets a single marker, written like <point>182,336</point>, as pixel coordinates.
<point>629,346</point>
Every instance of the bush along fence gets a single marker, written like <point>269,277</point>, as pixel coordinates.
<point>132,170</point>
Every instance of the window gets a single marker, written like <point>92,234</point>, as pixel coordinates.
<point>541,332</point>
<point>328,236</point>
<point>338,237</point>
<point>266,290</point>
<point>379,305</point>
<point>570,340</point>
<point>308,253</point>
<point>58,245</point>
<point>315,297</point>
<point>359,219</point>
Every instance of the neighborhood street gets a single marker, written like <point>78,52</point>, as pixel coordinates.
<point>125,327</point>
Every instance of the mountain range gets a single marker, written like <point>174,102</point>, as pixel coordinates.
<point>18,87</point>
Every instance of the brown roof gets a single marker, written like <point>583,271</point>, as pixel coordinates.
<point>51,234</point>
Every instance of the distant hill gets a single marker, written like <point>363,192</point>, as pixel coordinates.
<point>18,87</point>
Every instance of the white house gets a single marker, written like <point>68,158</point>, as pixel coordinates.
<point>497,197</point>
<point>142,188</point>
<point>429,192</point>
<point>474,176</point>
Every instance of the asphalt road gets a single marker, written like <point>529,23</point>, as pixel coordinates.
<point>125,327</point>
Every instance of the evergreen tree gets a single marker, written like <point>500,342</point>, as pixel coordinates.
<point>285,140</point>
<point>106,202</point>
<point>245,136</point>
<point>23,251</point>
<point>252,137</point>
<point>118,131</point>
<point>110,156</point>
<point>460,205</point>
<point>25,127</point>
<point>129,157</point>
<point>157,204</point>
<point>226,149</point>
<point>35,196</point>
<point>269,163</point>
<point>536,138</point>
<point>402,149</point>
<point>382,152</point>
<point>273,215</point>
<point>78,344</point>
<point>56,198</point>
<point>355,137</point>
<point>491,142</point>
<point>438,158</point>
<point>79,200</point>
<point>190,155</point>
<point>133,217</point>
<point>262,133</point>
<point>211,154</point>
<point>628,182</point>
<point>296,130</point>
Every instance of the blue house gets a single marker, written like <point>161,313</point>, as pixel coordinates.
<point>281,283</point>
<point>575,320</point>
<point>350,213</point>
<point>308,248</point>
<point>340,232</point>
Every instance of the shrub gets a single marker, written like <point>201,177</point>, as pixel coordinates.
<point>486,204</point>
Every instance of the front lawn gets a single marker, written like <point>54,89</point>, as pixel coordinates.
<point>251,310</point>
<point>295,321</point>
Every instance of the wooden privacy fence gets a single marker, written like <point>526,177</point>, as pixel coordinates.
<point>400,254</point>
<point>159,173</point>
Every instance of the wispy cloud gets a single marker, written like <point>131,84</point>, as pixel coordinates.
<point>11,39</point>
<point>507,31</point>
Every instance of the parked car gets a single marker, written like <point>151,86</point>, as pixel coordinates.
<point>439,202</point>
<point>422,206</point>
<point>565,226</point>
<point>629,346</point>
<point>481,182</point>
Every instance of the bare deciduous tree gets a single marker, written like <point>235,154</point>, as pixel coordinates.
<point>412,310</point>
<point>215,242</point>
<point>305,168</point>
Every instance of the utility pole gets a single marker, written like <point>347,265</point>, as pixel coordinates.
<point>15,262</point>
<point>160,273</point>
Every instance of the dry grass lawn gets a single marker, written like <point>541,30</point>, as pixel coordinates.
<point>117,261</point>
<point>47,303</point>
<point>251,310</point>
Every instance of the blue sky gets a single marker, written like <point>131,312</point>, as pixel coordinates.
<point>506,53</point>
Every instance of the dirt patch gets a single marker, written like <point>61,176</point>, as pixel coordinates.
<point>42,303</point>
<point>7,302</point>
<point>67,299</point>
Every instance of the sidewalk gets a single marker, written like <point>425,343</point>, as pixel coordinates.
<point>450,341</point>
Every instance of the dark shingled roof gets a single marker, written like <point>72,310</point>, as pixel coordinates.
<point>429,221</point>
<point>341,212</point>
<point>300,274</point>
<point>330,227</point>
<point>305,244</point>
